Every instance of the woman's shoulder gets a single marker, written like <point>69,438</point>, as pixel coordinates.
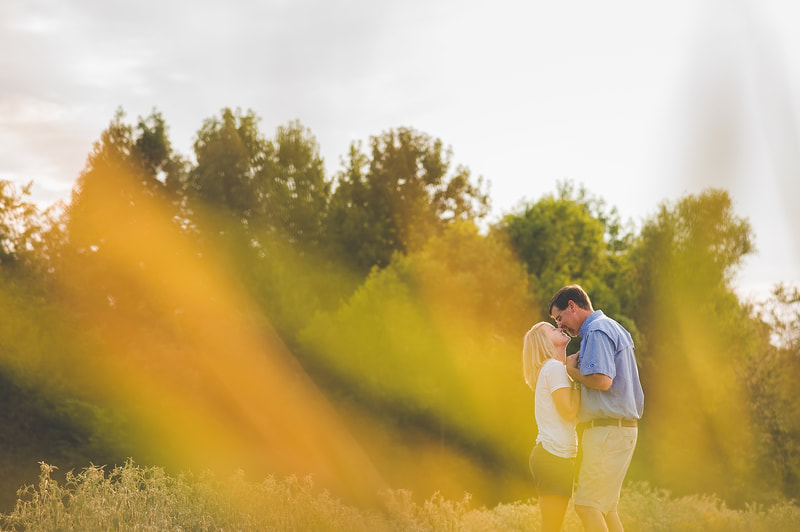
<point>553,365</point>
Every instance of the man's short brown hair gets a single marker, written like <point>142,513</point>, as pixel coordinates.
<point>569,293</point>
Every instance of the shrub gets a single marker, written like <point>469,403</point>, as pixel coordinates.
<point>132,497</point>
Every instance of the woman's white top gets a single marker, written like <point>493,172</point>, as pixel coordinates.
<point>556,434</point>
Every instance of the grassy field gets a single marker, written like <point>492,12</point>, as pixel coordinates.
<point>132,497</point>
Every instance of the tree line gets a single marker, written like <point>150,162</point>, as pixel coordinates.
<point>391,292</point>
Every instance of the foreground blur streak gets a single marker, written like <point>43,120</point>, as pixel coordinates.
<point>213,382</point>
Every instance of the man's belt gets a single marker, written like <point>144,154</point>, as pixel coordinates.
<point>609,422</point>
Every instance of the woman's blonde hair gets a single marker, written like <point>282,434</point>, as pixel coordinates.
<point>536,350</point>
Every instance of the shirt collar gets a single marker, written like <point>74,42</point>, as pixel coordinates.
<point>597,314</point>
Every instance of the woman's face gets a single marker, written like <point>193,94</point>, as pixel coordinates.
<point>556,335</point>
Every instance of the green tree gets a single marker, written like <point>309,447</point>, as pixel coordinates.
<point>771,376</point>
<point>144,152</point>
<point>571,237</point>
<point>230,152</point>
<point>698,242</point>
<point>39,347</point>
<point>274,188</point>
<point>21,225</point>
<point>699,340</point>
<point>152,155</point>
<point>125,161</point>
<point>296,192</point>
<point>261,204</point>
<point>397,197</point>
<point>113,201</point>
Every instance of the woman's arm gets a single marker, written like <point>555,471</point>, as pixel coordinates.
<point>567,401</point>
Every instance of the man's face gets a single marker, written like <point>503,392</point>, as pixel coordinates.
<point>567,318</point>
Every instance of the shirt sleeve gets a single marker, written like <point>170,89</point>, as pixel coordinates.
<point>597,355</point>
<point>556,377</point>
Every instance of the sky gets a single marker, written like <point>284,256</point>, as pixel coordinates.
<point>639,102</point>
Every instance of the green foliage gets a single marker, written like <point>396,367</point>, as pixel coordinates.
<point>296,190</point>
<point>21,227</point>
<point>570,238</point>
<point>289,283</point>
<point>112,206</point>
<point>782,313</point>
<point>131,497</point>
<point>143,152</point>
<point>478,278</point>
<point>699,338</point>
<point>432,341</point>
<point>397,197</point>
<point>134,498</point>
<point>230,151</point>
<point>771,375</point>
<point>643,507</point>
<point>698,243</point>
<point>425,347</point>
<point>276,187</point>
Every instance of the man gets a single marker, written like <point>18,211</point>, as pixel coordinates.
<point>612,401</point>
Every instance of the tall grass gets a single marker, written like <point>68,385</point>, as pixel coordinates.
<point>132,497</point>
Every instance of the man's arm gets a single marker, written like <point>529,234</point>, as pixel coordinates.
<point>598,381</point>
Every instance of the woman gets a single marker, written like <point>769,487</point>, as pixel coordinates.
<point>556,400</point>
